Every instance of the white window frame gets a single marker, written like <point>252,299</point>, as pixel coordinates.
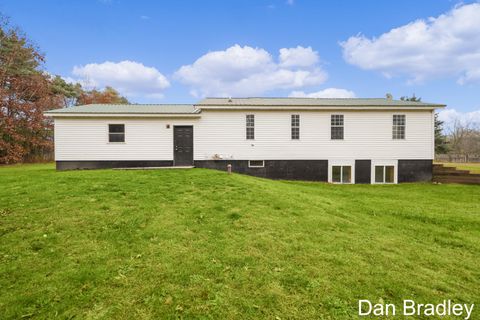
<point>384,174</point>
<point>247,126</point>
<point>294,126</point>
<point>342,163</point>
<point>337,126</point>
<point>388,162</point>
<point>396,126</point>
<point>253,166</point>
<point>124,133</point>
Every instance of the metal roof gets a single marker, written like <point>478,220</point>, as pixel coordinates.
<point>128,109</point>
<point>194,110</point>
<point>314,102</point>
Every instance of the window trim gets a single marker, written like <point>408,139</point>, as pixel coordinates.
<point>384,173</point>
<point>342,164</point>
<point>396,126</point>
<point>247,126</point>
<point>117,133</point>
<point>384,162</point>
<point>337,126</point>
<point>254,166</point>
<point>296,126</point>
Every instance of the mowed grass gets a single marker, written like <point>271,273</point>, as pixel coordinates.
<point>473,167</point>
<point>202,244</point>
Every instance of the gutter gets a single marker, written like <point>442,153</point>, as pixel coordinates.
<point>121,115</point>
<point>359,108</point>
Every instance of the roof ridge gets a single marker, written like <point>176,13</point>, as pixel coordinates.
<point>295,98</point>
<point>135,104</point>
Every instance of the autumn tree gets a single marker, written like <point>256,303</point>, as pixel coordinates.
<point>73,94</point>
<point>25,93</point>
<point>107,95</point>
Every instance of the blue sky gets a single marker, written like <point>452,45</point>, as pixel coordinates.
<point>180,51</point>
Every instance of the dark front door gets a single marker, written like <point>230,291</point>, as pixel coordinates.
<point>183,146</point>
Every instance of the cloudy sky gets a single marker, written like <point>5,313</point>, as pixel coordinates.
<point>179,52</point>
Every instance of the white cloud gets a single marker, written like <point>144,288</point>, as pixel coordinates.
<point>242,71</point>
<point>130,78</point>
<point>298,57</point>
<point>445,46</point>
<point>326,93</point>
<point>449,116</point>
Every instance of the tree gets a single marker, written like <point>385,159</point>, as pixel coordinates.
<point>412,98</point>
<point>465,138</point>
<point>441,145</point>
<point>73,94</point>
<point>25,93</point>
<point>108,95</point>
<point>68,92</point>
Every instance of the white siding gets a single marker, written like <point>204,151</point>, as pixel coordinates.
<point>368,135</point>
<point>87,139</point>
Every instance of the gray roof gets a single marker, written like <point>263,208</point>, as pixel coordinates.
<point>129,109</point>
<point>314,102</point>
<point>186,109</point>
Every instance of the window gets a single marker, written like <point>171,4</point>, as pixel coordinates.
<point>384,174</point>
<point>116,133</point>
<point>256,163</point>
<point>337,127</point>
<point>398,126</point>
<point>250,126</point>
<point>341,174</point>
<point>295,126</point>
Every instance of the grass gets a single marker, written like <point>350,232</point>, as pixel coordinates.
<point>203,244</point>
<point>473,167</point>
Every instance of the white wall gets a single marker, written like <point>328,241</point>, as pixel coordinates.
<point>368,135</point>
<point>87,139</point>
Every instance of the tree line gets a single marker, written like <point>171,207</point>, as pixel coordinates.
<point>462,139</point>
<point>27,90</point>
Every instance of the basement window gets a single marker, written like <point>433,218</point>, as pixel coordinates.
<point>342,174</point>
<point>116,133</point>
<point>384,174</point>
<point>256,163</point>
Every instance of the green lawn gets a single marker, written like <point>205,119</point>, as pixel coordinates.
<point>203,244</point>
<point>473,167</point>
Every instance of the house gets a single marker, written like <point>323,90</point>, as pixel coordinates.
<point>334,140</point>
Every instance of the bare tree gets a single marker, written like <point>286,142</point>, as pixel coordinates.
<point>464,138</point>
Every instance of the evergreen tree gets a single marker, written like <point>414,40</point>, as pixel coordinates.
<point>441,145</point>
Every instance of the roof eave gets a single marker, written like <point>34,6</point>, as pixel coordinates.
<point>121,115</point>
<point>251,107</point>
